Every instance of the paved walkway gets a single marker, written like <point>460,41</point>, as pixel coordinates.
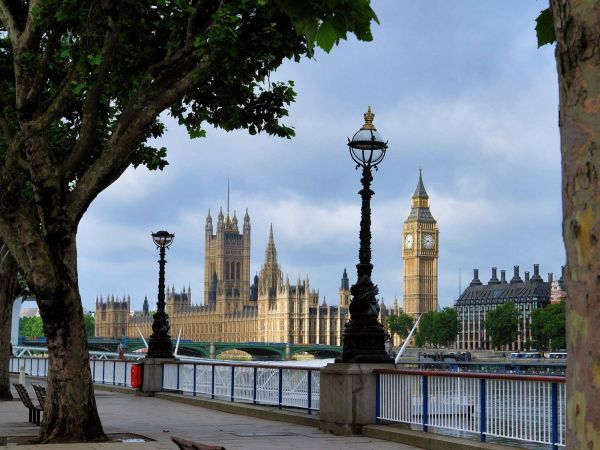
<point>160,419</point>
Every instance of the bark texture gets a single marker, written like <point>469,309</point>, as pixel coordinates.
<point>577,27</point>
<point>9,290</point>
<point>70,413</point>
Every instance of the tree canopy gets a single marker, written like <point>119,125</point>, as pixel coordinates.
<point>438,328</point>
<point>400,324</point>
<point>82,88</point>
<point>501,324</point>
<point>548,327</point>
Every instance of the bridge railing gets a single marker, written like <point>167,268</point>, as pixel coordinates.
<point>520,407</point>
<point>104,371</point>
<point>282,386</point>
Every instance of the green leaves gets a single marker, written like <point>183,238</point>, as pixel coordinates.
<point>400,324</point>
<point>438,328</point>
<point>325,23</point>
<point>545,28</point>
<point>502,324</point>
<point>548,327</point>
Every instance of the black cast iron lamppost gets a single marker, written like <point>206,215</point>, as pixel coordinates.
<point>364,335</point>
<point>159,344</point>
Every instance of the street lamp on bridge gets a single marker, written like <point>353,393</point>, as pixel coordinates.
<point>159,344</point>
<point>364,336</point>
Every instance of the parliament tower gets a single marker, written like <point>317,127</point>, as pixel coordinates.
<point>420,246</point>
<point>226,263</point>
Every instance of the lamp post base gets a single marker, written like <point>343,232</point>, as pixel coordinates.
<point>365,344</point>
<point>159,347</point>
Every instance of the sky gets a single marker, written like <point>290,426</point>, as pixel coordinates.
<point>458,88</point>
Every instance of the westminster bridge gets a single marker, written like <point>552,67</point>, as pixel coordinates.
<point>257,350</point>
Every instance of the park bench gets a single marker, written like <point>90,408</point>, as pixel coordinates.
<point>184,444</point>
<point>34,410</point>
<point>40,393</point>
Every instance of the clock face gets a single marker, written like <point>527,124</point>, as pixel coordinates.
<point>428,241</point>
<point>408,241</point>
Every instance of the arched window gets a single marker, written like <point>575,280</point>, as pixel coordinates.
<point>227,271</point>
<point>238,271</point>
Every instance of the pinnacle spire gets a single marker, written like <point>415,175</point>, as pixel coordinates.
<point>420,189</point>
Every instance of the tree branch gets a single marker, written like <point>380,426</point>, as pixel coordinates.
<point>201,11</point>
<point>5,129</point>
<point>9,22</point>
<point>41,74</point>
<point>116,157</point>
<point>90,108</point>
<point>30,34</point>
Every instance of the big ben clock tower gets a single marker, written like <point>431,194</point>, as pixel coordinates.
<point>420,246</point>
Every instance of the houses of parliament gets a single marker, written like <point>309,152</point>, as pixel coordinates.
<point>271,308</point>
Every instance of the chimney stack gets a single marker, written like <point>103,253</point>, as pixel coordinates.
<point>494,279</point>
<point>527,276</point>
<point>536,278</point>
<point>550,277</point>
<point>516,278</point>
<point>503,276</point>
<point>475,281</point>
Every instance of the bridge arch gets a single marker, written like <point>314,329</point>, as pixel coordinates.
<point>257,351</point>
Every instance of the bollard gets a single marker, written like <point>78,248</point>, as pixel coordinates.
<point>22,375</point>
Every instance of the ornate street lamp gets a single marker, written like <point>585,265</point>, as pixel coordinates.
<point>159,344</point>
<point>364,335</point>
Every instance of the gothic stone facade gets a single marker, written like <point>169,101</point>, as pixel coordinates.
<point>271,309</point>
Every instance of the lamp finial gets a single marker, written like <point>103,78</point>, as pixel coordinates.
<point>369,116</point>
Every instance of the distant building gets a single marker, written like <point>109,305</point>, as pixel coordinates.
<point>557,290</point>
<point>420,247</point>
<point>478,299</point>
<point>271,309</point>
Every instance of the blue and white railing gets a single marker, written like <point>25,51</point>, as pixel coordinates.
<point>104,371</point>
<point>520,407</point>
<point>282,386</point>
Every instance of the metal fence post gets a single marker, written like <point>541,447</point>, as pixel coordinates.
<point>114,372</point>
<point>103,366</point>
<point>212,388</point>
<point>482,410</point>
<point>425,418</point>
<point>162,376</point>
<point>232,382</point>
<point>194,382</point>
<point>254,387</point>
<point>554,416</point>
<point>177,385</point>
<point>309,385</point>
<point>280,387</point>
<point>377,397</point>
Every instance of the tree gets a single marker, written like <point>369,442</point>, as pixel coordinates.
<point>447,326</point>
<point>502,324</point>
<point>400,324</point>
<point>574,28</point>
<point>438,328</point>
<point>90,324</point>
<point>548,327</point>
<point>31,326</point>
<point>82,85</point>
<point>9,291</point>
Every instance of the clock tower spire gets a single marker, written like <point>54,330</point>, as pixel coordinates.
<point>420,246</point>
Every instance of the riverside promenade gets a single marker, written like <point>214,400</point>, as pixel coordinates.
<point>159,418</point>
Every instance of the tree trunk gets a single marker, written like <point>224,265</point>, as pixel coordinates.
<point>9,289</point>
<point>70,413</point>
<point>577,26</point>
